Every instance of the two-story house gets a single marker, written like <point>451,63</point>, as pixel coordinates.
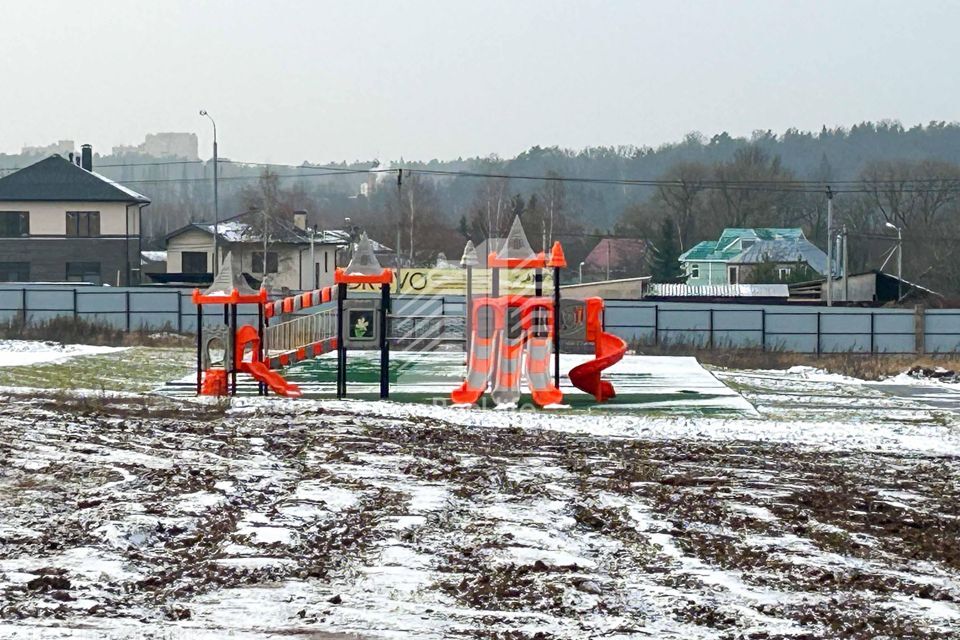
<point>737,256</point>
<point>61,221</point>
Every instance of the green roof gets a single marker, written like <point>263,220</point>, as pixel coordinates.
<point>725,249</point>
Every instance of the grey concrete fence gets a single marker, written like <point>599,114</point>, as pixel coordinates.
<point>805,329</point>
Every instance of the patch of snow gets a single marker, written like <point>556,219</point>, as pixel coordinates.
<point>19,353</point>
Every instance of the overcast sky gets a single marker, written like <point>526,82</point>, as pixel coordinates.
<point>321,81</point>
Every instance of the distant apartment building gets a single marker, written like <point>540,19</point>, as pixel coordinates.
<point>164,145</point>
<point>60,147</point>
<point>61,221</point>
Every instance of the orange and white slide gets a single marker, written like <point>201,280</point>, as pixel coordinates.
<point>487,325</point>
<point>271,378</point>
<point>538,358</point>
<point>506,386</point>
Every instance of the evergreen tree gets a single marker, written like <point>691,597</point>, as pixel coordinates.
<point>666,267</point>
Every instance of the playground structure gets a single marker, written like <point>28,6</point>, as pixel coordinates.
<point>509,338</point>
<point>512,335</point>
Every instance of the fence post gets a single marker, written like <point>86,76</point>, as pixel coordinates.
<point>179,310</point>
<point>763,329</point>
<point>920,329</point>
<point>76,310</point>
<point>23,306</point>
<point>127,304</point>
<point>873,335</point>
<point>656,324</point>
<point>818,333</point>
<point>711,327</point>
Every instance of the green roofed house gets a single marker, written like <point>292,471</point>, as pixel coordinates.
<point>739,253</point>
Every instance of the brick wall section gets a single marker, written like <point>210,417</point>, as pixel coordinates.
<point>48,257</point>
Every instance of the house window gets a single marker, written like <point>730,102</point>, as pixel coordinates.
<point>14,271</point>
<point>272,262</point>
<point>84,272</point>
<point>783,272</point>
<point>733,275</point>
<point>14,224</point>
<point>694,271</point>
<point>83,224</point>
<point>193,262</point>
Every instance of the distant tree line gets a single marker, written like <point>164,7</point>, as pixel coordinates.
<point>704,190</point>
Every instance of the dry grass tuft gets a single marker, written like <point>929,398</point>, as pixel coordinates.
<point>70,330</point>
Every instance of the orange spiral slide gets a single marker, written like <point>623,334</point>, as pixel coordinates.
<point>608,349</point>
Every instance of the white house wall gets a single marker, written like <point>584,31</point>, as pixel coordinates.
<point>50,218</point>
<point>296,272</point>
<point>192,240</point>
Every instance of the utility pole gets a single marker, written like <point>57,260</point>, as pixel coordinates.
<point>608,258</point>
<point>829,246</point>
<point>216,199</point>
<point>899,265</point>
<point>266,240</point>
<point>399,222</point>
<point>845,263</point>
<point>313,257</point>
<point>899,231</point>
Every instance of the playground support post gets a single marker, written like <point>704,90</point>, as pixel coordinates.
<point>261,388</point>
<point>384,342</point>
<point>556,327</point>
<point>233,349</point>
<point>199,348</point>
<point>495,282</point>
<point>468,314</point>
<point>538,282</point>
<point>341,347</point>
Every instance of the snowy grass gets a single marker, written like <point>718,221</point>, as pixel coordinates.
<point>133,369</point>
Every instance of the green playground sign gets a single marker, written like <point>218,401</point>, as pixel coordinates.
<point>361,322</point>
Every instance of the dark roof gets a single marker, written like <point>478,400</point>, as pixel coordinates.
<point>247,227</point>
<point>56,179</point>
<point>624,253</point>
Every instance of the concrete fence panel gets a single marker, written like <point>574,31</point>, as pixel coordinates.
<point>941,330</point>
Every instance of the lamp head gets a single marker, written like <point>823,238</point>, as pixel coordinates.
<point>890,225</point>
<point>203,112</point>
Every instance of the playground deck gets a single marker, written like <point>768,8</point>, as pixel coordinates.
<point>647,383</point>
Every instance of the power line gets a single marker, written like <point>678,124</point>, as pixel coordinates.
<point>861,186</point>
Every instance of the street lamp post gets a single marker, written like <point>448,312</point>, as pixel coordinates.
<point>581,271</point>
<point>216,198</point>
<point>899,231</point>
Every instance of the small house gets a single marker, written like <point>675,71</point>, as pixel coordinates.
<point>767,255</point>
<point>279,249</point>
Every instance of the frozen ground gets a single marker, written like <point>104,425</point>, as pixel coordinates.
<point>829,511</point>
<point>18,353</point>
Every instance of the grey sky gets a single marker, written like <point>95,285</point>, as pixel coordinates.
<point>289,81</point>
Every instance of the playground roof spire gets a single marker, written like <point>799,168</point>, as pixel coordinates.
<point>364,266</point>
<point>229,287</point>
<point>469,258</point>
<point>516,251</point>
<point>364,261</point>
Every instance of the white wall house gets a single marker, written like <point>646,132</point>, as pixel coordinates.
<point>297,258</point>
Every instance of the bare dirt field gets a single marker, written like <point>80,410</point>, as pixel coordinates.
<point>833,515</point>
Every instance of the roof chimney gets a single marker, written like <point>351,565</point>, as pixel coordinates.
<point>300,219</point>
<point>86,157</point>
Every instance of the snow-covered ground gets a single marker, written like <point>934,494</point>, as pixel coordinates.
<point>828,509</point>
<point>18,353</point>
